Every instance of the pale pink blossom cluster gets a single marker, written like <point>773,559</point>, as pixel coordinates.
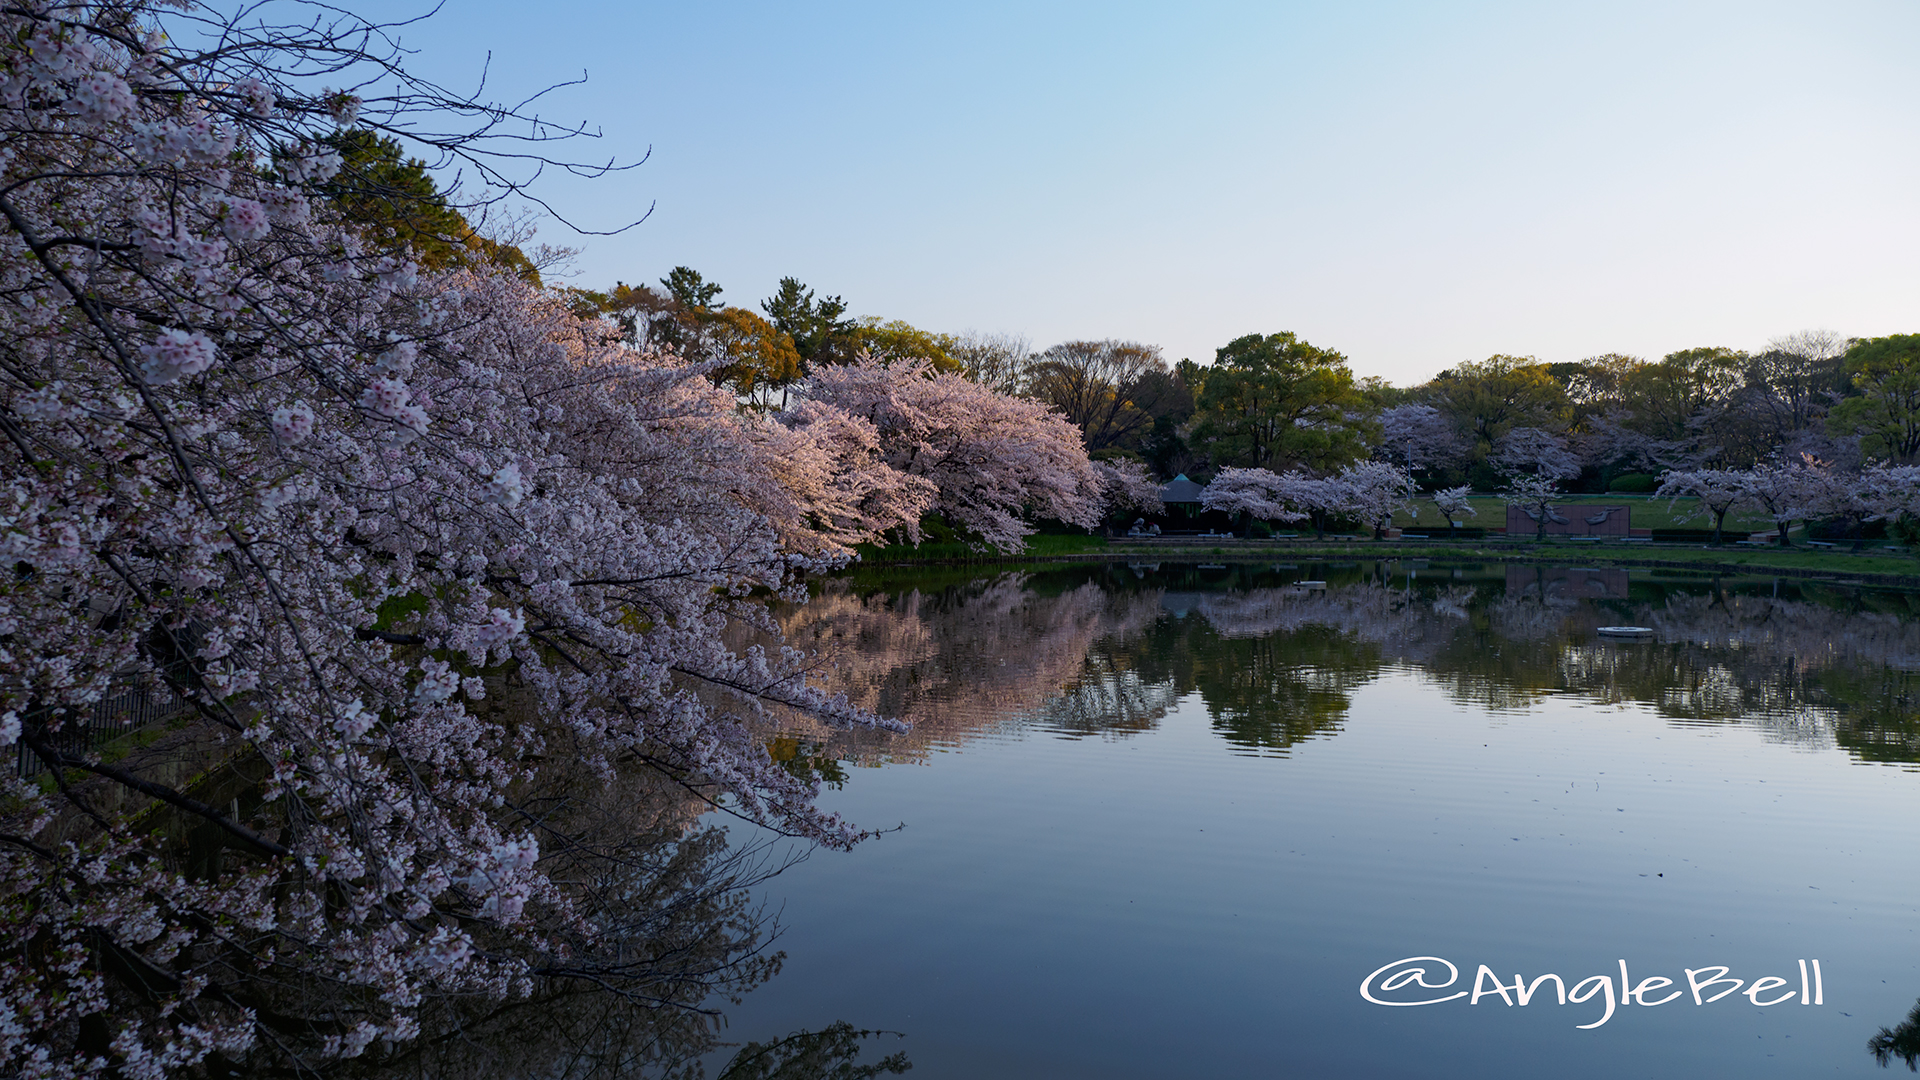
<point>175,355</point>
<point>258,96</point>
<point>292,424</point>
<point>1370,492</point>
<point>309,163</point>
<point>245,219</point>
<point>191,139</point>
<point>391,399</point>
<point>102,96</point>
<point>1800,490</point>
<point>391,539</point>
<point>993,459</point>
<point>1127,487</point>
<point>1453,502</point>
<point>1419,437</point>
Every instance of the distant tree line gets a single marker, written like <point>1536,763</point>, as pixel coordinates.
<point>1288,408</point>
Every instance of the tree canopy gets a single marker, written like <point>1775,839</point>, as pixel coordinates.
<point>1273,402</point>
<point>1885,373</point>
<point>396,204</point>
<point>1491,397</point>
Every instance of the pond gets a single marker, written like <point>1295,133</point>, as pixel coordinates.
<point>1176,820</point>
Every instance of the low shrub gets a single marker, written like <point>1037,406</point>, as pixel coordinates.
<point>1695,536</point>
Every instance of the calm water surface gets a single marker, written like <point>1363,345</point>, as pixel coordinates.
<point>1163,821</point>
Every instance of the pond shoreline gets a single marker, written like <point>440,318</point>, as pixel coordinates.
<point>1812,565</point>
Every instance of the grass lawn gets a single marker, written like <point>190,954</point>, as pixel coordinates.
<point>1646,513</point>
<point>1039,546</point>
<point>1873,561</point>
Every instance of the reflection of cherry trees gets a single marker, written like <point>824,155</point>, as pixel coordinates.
<point>1809,672</point>
<point>962,660</point>
<point>1275,666</point>
<point>1109,698</point>
<point>1403,624</point>
<point>1810,635</point>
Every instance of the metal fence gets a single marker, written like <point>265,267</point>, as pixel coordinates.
<point>123,712</point>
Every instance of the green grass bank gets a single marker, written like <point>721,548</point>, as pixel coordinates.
<point>1872,565</point>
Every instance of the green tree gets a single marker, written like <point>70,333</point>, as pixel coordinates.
<point>1885,373</point>
<point>896,340</point>
<point>1488,398</point>
<point>679,325</point>
<point>753,357</point>
<point>691,291</point>
<point>398,206</point>
<point>1677,397</point>
<point>819,333</point>
<point>631,308</point>
<point>1167,398</point>
<point>757,359</point>
<point>1273,402</point>
<point>1594,383</point>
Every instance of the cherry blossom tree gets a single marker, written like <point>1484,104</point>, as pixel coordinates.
<point>1837,494</point>
<point>1890,493</point>
<point>1786,492</point>
<point>1452,502</point>
<point>994,459</point>
<point>1375,491</point>
<point>1127,487</point>
<point>1535,453</point>
<point>1716,491</point>
<point>400,544</point>
<point>1535,496</point>
<point>1533,462</point>
<point>830,486</point>
<point>1420,437</point>
<point>1259,493</point>
<point>1369,490</point>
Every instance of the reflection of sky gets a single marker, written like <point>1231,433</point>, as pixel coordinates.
<point>1156,906</point>
<point>1199,891</point>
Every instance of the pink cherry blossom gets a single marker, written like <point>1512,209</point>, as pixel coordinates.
<point>283,544</point>
<point>292,423</point>
<point>175,355</point>
<point>245,219</point>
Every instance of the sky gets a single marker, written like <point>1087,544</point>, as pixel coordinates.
<point>1413,184</point>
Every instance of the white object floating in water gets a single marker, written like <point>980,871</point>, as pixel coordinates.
<point>1311,584</point>
<point>1627,631</point>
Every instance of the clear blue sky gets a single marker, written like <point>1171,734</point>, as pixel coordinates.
<point>1414,184</point>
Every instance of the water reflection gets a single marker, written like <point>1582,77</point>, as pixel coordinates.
<point>670,928</point>
<point>1901,1042</point>
<point>828,1054</point>
<point>963,658</point>
<point>1107,650</point>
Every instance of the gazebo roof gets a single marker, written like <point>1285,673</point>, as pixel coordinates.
<point>1180,490</point>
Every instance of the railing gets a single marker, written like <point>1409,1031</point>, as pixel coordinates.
<point>115,716</point>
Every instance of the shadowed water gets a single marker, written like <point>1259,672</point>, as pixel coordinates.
<point>1164,820</point>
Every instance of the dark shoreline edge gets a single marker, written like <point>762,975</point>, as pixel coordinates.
<point>1394,550</point>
